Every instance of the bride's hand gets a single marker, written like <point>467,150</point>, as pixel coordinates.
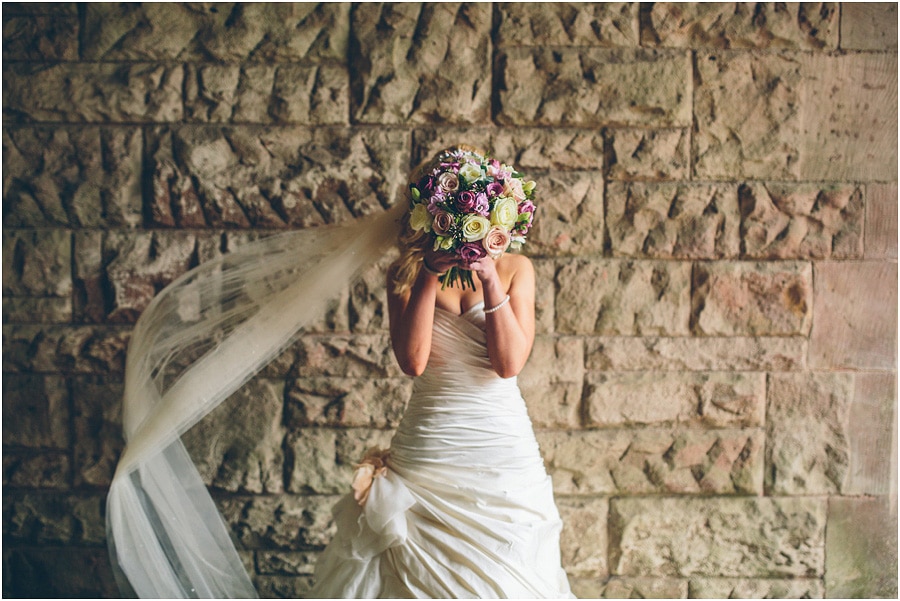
<point>485,268</point>
<point>440,261</point>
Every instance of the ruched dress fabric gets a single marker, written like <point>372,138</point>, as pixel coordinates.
<point>466,508</point>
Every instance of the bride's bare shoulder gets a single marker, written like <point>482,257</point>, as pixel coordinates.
<point>515,266</point>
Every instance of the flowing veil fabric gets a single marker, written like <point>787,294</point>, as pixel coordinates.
<point>197,342</point>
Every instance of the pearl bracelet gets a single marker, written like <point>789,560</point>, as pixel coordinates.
<point>428,269</point>
<point>500,304</point>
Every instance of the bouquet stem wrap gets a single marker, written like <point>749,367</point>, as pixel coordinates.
<point>197,342</point>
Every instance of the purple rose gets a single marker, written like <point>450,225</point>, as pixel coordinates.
<point>494,189</point>
<point>466,201</point>
<point>482,206</point>
<point>526,206</point>
<point>471,252</point>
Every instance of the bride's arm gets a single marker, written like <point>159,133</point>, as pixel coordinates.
<point>412,315</point>
<point>510,329</point>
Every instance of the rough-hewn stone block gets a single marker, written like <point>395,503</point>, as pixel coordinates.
<point>757,299</point>
<point>613,297</point>
<point>279,522</point>
<point>407,69</point>
<point>807,446</point>
<point>731,537</point>
<point>691,221</point>
<point>72,176</point>
<point>138,265</point>
<point>807,25</point>
<point>97,429</point>
<point>58,572</point>
<point>272,177</point>
<point>341,355</point>
<point>544,296</point>
<point>881,221</point>
<point>695,354</point>
<point>551,382</point>
<point>756,588</point>
<point>795,116</point>
<point>36,470</point>
<point>92,92</point>
<point>861,548</point>
<point>871,428</point>
<point>654,460</point>
<point>716,399</point>
<point>68,349</point>
<point>628,587</point>
<point>69,9</point>
<point>346,402</point>
<point>283,587</point>
<point>592,87</point>
<point>583,543</point>
<point>37,263</point>
<point>368,310</point>
<point>869,26</point>
<point>800,221</point>
<point>322,459</point>
<point>268,93</point>
<point>527,148</point>
<point>275,32</point>
<point>54,519</point>
<point>35,411</point>
<point>37,310</point>
<point>649,154</point>
<point>606,24</point>
<point>570,221</point>
<point>286,563</point>
<point>855,319</point>
<point>45,38</point>
<point>248,458</point>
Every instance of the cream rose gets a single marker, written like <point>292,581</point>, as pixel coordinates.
<point>470,172</point>
<point>475,227</point>
<point>496,241</point>
<point>420,218</point>
<point>505,212</point>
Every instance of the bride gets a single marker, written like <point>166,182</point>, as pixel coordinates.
<point>460,505</point>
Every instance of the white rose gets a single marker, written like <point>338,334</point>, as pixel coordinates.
<point>505,212</point>
<point>470,172</point>
<point>420,218</point>
<point>475,227</point>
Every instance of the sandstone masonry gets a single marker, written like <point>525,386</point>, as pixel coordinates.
<point>713,382</point>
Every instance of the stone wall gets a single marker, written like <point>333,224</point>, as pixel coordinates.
<point>714,378</point>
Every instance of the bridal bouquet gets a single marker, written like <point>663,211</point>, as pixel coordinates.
<point>473,206</point>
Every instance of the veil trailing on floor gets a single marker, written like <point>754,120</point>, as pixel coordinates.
<point>198,341</point>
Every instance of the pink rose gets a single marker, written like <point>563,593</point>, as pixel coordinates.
<point>514,188</point>
<point>497,241</point>
<point>471,252</point>
<point>443,221</point>
<point>448,182</point>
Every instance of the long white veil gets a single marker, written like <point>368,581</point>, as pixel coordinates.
<point>197,342</point>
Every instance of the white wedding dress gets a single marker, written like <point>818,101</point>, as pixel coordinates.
<point>466,507</point>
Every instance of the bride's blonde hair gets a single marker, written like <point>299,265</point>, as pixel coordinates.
<point>412,243</point>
